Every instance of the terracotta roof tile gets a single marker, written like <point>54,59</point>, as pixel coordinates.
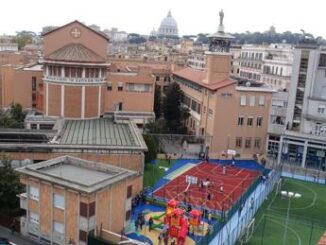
<point>198,76</point>
<point>75,53</point>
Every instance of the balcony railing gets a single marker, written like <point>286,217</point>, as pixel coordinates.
<point>74,79</point>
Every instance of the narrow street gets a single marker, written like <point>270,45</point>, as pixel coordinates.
<point>16,238</point>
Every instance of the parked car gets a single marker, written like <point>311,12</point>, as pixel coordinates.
<point>5,241</point>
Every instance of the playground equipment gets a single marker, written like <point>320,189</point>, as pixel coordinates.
<point>195,217</point>
<point>178,226</point>
<point>172,204</point>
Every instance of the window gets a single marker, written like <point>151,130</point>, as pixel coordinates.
<point>210,112</point>
<point>321,109</point>
<point>243,100</point>
<point>252,101</point>
<point>248,143</point>
<point>259,121</point>
<point>129,191</point>
<point>109,86</point>
<point>238,142</point>
<point>58,227</point>
<point>257,143</point>
<point>91,209</point>
<point>240,120</point>
<point>33,218</point>
<point>249,121</point>
<point>277,120</point>
<point>186,101</point>
<point>87,210</point>
<point>33,97</point>
<point>34,193</point>
<point>120,86</point>
<point>83,209</point>
<point>128,215</point>
<point>33,83</point>
<point>59,201</point>
<point>82,235</point>
<point>261,101</point>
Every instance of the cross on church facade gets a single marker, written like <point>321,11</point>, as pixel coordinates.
<point>75,32</point>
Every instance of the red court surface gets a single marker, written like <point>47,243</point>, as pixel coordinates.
<point>235,182</point>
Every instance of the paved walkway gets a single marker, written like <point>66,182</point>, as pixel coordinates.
<point>16,238</point>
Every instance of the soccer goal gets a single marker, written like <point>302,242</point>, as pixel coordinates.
<point>278,186</point>
<point>249,231</point>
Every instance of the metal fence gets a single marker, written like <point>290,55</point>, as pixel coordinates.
<point>240,215</point>
<point>292,170</point>
<point>183,146</point>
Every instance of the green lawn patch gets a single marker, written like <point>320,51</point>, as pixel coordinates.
<point>153,172</point>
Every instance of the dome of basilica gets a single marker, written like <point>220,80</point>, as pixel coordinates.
<point>168,27</point>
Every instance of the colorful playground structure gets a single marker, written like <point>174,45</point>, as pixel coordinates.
<point>178,221</point>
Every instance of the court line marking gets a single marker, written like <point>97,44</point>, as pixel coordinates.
<point>233,202</point>
<point>294,232</point>
<point>314,200</point>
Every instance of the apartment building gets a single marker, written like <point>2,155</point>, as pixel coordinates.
<point>68,198</point>
<point>277,66</point>
<point>251,61</point>
<point>269,64</point>
<point>300,136</point>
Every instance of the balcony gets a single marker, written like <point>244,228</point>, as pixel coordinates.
<point>58,237</point>
<point>276,128</point>
<point>86,224</point>
<point>278,111</point>
<point>74,79</point>
<point>23,200</point>
<point>33,228</point>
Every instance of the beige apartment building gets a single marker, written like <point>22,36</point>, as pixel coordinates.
<point>232,114</point>
<point>68,198</point>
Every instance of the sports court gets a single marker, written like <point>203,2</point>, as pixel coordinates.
<point>186,185</point>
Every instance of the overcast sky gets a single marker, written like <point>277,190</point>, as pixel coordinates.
<point>141,16</point>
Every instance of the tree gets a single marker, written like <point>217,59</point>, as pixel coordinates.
<point>173,111</point>
<point>151,153</point>
<point>10,187</point>
<point>16,112</point>
<point>13,118</point>
<point>23,38</point>
<point>157,102</point>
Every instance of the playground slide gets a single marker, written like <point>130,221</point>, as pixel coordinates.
<point>183,231</point>
<point>157,217</point>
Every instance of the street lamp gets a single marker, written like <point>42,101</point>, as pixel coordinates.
<point>289,195</point>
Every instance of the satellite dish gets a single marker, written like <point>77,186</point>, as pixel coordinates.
<point>248,84</point>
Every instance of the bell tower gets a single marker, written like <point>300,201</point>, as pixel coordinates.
<point>218,57</point>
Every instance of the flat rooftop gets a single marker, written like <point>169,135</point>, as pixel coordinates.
<point>100,132</point>
<point>75,173</point>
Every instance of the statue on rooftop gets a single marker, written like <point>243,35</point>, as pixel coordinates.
<point>221,17</point>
